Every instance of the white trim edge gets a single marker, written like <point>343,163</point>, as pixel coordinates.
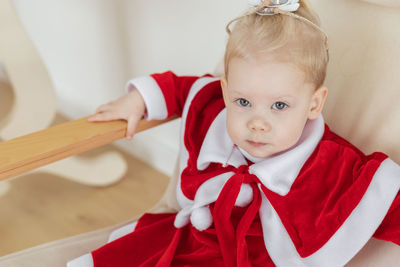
<point>152,96</point>
<point>360,225</point>
<point>122,231</point>
<point>82,261</point>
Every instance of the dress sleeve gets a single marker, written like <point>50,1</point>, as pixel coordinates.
<point>389,230</point>
<point>164,94</point>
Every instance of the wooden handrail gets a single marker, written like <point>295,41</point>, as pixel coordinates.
<point>34,150</point>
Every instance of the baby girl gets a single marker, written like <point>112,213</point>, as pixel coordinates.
<point>263,180</point>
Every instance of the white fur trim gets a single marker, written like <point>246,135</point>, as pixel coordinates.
<point>120,232</point>
<point>218,146</point>
<point>245,196</point>
<point>182,218</point>
<point>351,236</point>
<point>198,212</point>
<point>152,96</point>
<point>207,193</point>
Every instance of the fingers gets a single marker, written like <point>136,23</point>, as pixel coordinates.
<point>104,116</point>
<point>132,123</point>
<point>104,107</point>
<point>99,115</point>
<point>105,112</point>
<point>129,107</point>
<point>107,116</point>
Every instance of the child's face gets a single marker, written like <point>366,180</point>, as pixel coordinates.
<point>268,104</point>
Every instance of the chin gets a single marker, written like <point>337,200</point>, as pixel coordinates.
<point>259,154</point>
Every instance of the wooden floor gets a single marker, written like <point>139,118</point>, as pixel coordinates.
<point>41,207</point>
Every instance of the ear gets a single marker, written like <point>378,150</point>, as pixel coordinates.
<point>317,102</point>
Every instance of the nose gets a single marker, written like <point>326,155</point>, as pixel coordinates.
<point>258,124</point>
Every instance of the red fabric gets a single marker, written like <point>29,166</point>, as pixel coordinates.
<point>156,242</point>
<point>234,240</point>
<point>175,90</point>
<point>389,230</point>
<point>231,237</point>
<point>206,105</point>
<point>329,186</point>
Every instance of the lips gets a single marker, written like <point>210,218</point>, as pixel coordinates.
<point>256,144</point>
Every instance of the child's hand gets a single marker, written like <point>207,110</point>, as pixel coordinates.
<point>129,107</point>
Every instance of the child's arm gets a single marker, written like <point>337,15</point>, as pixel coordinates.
<point>389,230</point>
<point>158,96</point>
<point>164,93</point>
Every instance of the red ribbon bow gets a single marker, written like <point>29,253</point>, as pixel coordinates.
<point>232,242</point>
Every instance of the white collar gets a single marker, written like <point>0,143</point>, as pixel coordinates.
<point>277,172</point>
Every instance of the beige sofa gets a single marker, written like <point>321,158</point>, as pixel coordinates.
<point>363,106</point>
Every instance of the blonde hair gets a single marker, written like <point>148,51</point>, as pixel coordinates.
<point>287,38</point>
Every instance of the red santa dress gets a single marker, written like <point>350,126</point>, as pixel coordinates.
<point>316,204</point>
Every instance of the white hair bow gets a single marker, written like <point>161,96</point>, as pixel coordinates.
<point>270,5</point>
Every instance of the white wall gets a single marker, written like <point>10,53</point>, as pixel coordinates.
<point>92,47</point>
<point>80,44</point>
<point>186,36</point>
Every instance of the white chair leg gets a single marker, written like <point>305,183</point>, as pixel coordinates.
<point>35,100</point>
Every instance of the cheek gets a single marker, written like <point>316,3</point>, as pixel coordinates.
<point>235,125</point>
<point>290,131</point>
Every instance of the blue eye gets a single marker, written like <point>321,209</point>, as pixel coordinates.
<point>279,106</point>
<point>243,102</point>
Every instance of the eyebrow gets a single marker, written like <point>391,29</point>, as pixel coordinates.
<point>236,92</point>
<point>278,96</point>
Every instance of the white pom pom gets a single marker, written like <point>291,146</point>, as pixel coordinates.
<point>254,3</point>
<point>245,196</point>
<point>181,219</point>
<point>201,218</point>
